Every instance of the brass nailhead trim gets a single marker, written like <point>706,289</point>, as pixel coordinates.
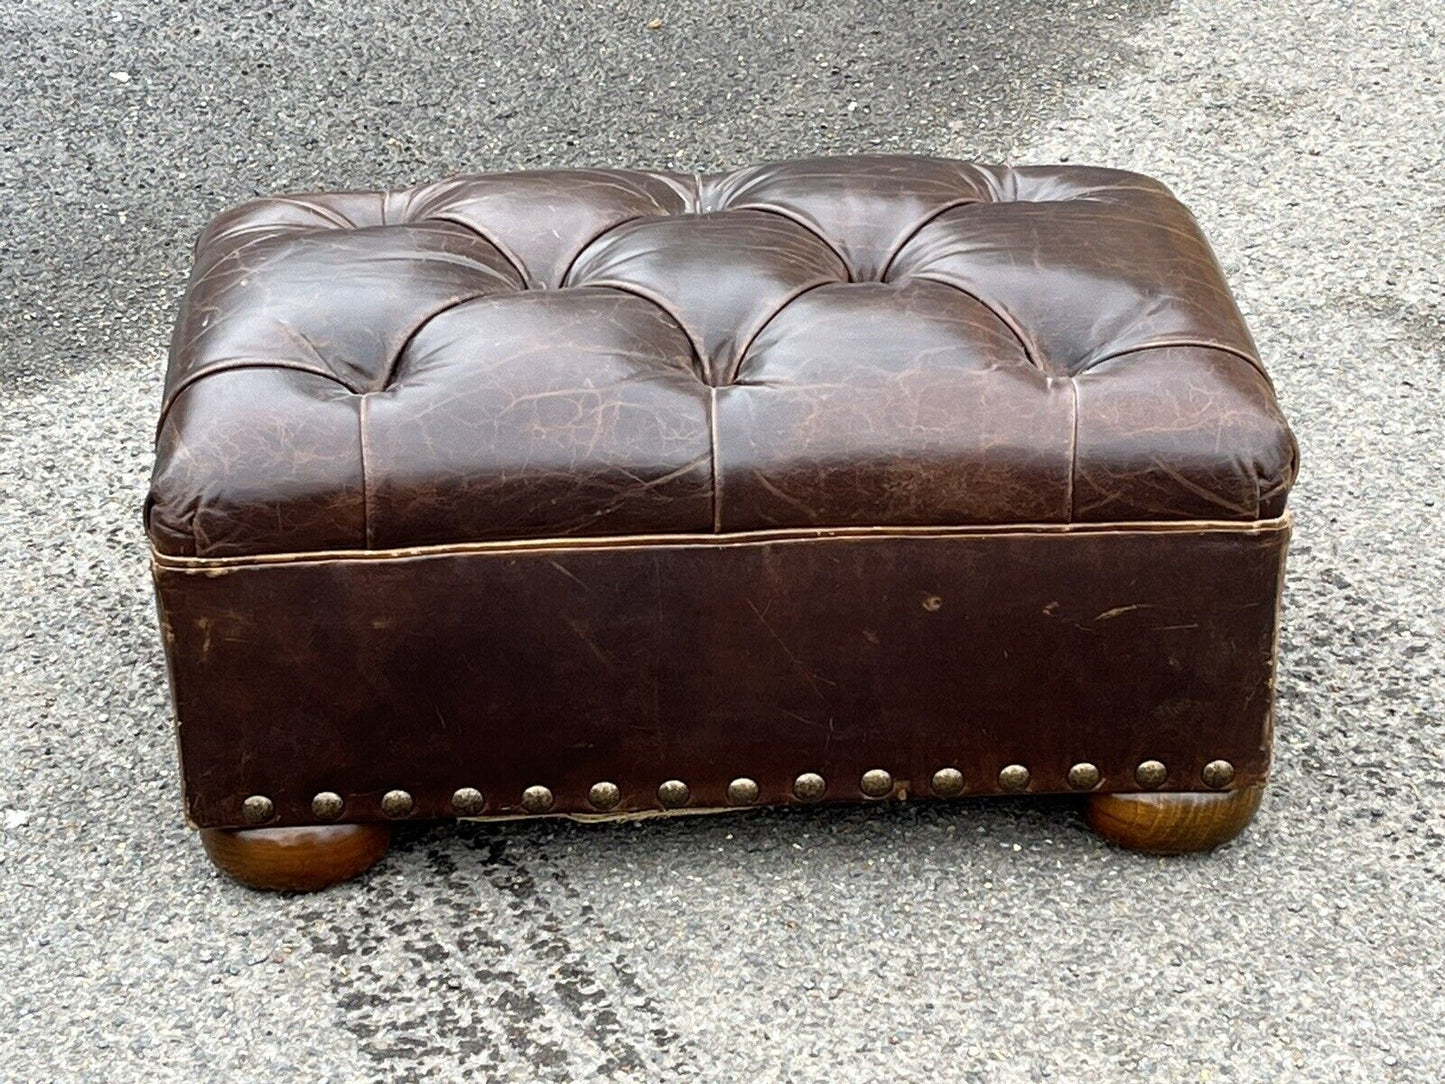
<point>327,805</point>
<point>468,802</point>
<point>604,795</point>
<point>1014,778</point>
<point>1084,776</point>
<point>876,783</point>
<point>809,787</point>
<point>397,803</point>
<point>1150,774</point>
<point>1218,774</point>
<point>673,794</point>
<point>257,809</point>
<point>948,782</point>
<point>742,791</point>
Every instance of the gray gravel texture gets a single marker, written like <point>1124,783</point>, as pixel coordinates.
<point>981,941</point>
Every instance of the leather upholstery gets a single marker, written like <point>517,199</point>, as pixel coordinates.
<point>502,667</point>
<point>854,342</point>
<point>836,467</point>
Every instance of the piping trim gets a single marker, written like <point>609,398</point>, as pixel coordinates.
<point>1246,528</point>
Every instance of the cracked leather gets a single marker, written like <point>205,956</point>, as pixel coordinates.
<point>831,466</point>
<point>830,343</point>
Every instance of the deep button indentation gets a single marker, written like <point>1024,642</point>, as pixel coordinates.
<point>865,340</point>
<point>722,276</point>
<point>901,403</point>
<point>1083,279</point>
<point>571,411</point>
<point>544,218</point>
<point>337,302</point>
<point>865,206</point>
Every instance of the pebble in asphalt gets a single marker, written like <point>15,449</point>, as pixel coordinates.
<point>977,941</point>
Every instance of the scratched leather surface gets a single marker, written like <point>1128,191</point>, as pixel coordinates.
<point>704,662</point>
<point>844,342</point>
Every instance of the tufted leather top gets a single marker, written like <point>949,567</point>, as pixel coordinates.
<point>872,341</point>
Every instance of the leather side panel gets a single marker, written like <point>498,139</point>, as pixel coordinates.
<point>500,669</point>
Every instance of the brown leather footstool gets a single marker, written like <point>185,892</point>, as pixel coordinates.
<point>613,492</point>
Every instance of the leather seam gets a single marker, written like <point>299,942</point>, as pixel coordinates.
<point>1245,528</point>
<point>924,223</point>
<point>363,401</point>
<point>998,313</point>
<point>338,220</point>
<point>503,251</point>
<point>712,437</point>
<point>389,372</point>
<point>236,365</point>
<point>1182,344</point>
<point>742,354</point>
<point>564,282</point>
<point>700,369</point>
<point>797,220</point>
<point>1073,446</point>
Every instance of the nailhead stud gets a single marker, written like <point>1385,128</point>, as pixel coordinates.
<point>742,791</point>
<point>1014,778</point>
<point>1084,776</point>
<point>948,782</point>
<point>257,809</point>
<point>536,799</point>
<point>673,794</point>
<point>327,805</point>
<point>809,787</point>
<point>876,783</point>
<point>604,795</point>
<point>397,803</point>
<point>468,802</point>
<point>1218,774</point>
<point>1150,774</point>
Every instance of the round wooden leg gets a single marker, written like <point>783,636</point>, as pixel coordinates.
<point>296,859</point>
<point>1173,823</point>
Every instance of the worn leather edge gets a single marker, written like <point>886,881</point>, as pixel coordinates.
<point>214,565</point>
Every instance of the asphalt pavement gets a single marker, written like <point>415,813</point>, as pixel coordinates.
<point>977,941</point>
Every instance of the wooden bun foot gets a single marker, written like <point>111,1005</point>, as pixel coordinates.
<point>296,859</point>
<point>1173,823</point>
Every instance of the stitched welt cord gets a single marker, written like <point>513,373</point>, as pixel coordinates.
<point>1242,528</point>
